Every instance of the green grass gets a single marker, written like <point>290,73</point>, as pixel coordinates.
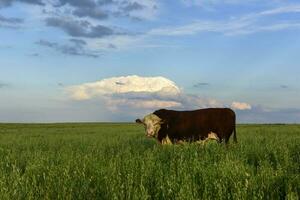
<point>116,161</point>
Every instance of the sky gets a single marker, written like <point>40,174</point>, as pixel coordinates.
<point>118,60</point>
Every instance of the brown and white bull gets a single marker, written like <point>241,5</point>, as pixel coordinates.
<point>170,126</point>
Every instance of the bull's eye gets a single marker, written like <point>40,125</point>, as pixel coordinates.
<point>156,124</point>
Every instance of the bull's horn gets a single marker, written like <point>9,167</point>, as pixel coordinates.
<point>138,121</point>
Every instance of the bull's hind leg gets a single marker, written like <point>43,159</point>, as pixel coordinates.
<point>213,136</point>
<point>226,140</point>
<point>227,137</point>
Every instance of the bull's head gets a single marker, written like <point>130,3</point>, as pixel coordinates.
<point>152,124</point>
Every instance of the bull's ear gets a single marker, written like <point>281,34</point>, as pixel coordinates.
<point>162,121</point>
<point>165,123</point>
<point>138,121</point>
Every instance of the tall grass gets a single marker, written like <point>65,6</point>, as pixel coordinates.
<point>116,161</point>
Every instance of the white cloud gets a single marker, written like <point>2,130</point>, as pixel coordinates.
<point>123,85</point>
<point>189,29</point>
<point>126,93</point>
<point>284,9</point>
<point>240,106</point>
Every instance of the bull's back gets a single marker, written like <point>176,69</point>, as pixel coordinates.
<point>197,124</point>
<point>217,117</point>
<point>202,121</point>
<point>209,115</point>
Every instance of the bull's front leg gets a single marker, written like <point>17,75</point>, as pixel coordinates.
<point>181,142</point>
<point>166,140</point>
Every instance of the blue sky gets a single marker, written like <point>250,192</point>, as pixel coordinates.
<point>115,60</point>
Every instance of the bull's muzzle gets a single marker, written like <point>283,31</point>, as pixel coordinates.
<point>149,135</point>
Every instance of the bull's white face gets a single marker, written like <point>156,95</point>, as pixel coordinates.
<point>152,125</point>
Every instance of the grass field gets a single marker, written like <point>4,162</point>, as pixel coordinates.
<point>116,161</point>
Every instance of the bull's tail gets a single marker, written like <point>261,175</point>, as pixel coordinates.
<point>234,130</point>
<point>234,134</point>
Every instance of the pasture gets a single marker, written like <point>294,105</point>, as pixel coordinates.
<point>116,161</point>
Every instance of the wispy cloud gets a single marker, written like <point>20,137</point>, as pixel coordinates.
<point>74,48</point>
<point>4,85</point>
<point>80,28</point>
<point>213,3</point>
<point>7,3</point>
<point>10,22</point>
<point>5,46</point>
<point>200,85</point>
<point>245,24</point>
<point>96,22</point>
<point>90,20</point>
<point>34,54</point>
<point>260,114</point>
<point>99,10</point>
<point>285,9</point>
<point>284,86</point>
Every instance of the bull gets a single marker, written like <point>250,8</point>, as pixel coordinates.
<point>170,126</point>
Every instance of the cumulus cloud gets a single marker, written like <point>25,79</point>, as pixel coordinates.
<point>240,106</point>
<point>124,85</point>
<point>136,92</point>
